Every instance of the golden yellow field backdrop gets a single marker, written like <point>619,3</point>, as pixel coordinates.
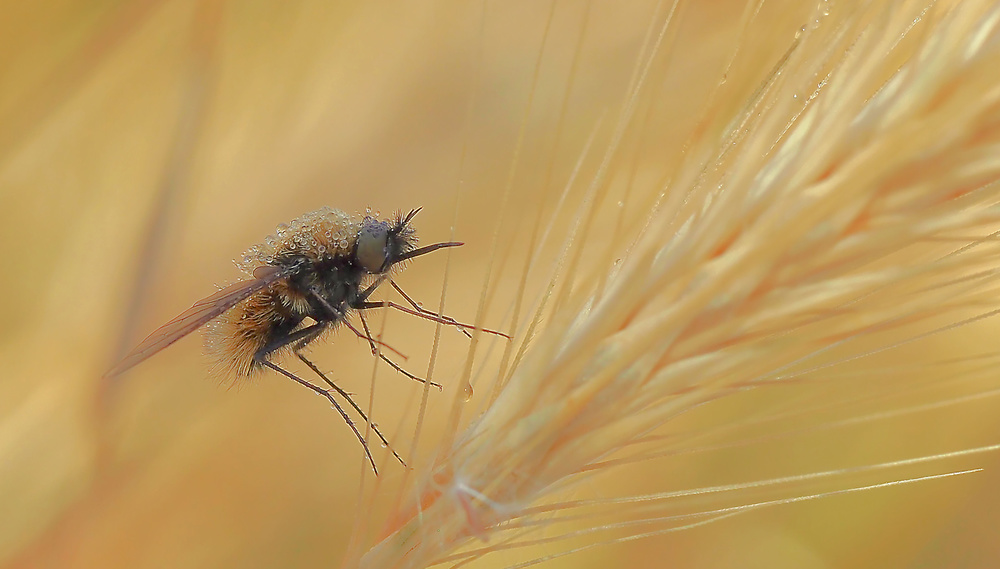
<point>146,144</point>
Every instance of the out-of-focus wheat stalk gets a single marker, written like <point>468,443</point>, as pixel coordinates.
<point>818,219</point>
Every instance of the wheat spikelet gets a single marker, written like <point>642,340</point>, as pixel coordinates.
<point>818,220</point>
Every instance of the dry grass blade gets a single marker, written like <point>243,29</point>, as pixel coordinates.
<point>816,224</point>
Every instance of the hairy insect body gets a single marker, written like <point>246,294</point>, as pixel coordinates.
<point>233,339</point>
<point>318,251</point>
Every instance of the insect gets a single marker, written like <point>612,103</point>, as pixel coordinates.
<point>306,280</point>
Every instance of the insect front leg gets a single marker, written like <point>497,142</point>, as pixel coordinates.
<point>423,311</point>
<point>425,314</point>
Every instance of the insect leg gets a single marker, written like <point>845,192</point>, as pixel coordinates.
<point>422,310</point>
<point>394,365</point>
<point>262,360</point>
<point>368,332</point>
<point>364,294</point>
<point>425,314</point>
<point>368,336</point>
<point>375,352</point>
<point>302,336</point>
<point>372,341</point>
<point>342,318</point>
<point>348,397</point>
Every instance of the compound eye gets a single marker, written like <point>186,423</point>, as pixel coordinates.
<point>372,249</point>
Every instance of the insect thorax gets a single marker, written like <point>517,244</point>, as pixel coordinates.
<point>333,283</point>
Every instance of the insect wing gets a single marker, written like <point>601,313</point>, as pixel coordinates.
<point>198,315</point>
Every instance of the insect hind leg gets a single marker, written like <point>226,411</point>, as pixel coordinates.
<point>299,338</point>
<point>261,358</point>
<point>348,397</point>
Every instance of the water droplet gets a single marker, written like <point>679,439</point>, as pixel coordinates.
<point>467,392</point>
<point>282,229</point>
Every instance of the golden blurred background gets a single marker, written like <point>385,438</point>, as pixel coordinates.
<point>145,144</point>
